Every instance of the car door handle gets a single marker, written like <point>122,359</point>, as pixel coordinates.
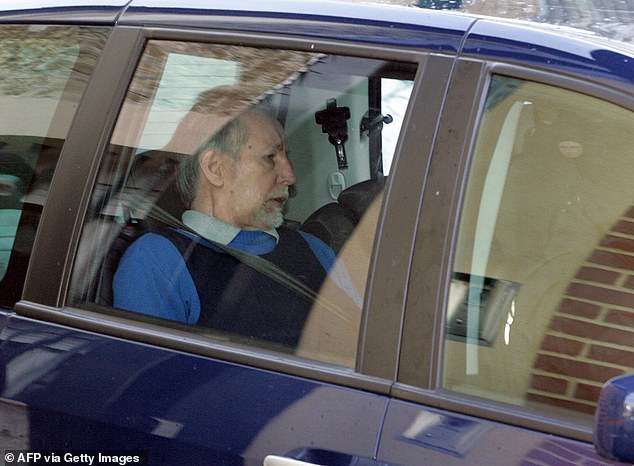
<point>273,460</point>
<point>310,457</point>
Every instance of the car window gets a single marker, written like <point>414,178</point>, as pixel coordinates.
<point>540,307</point>
<point>282,154</point>
<point>44,70</point>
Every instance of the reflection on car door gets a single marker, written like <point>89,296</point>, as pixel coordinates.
<point>179,409</point>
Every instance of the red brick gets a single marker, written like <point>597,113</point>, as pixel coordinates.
<point>567,404</point>
<point>592,274</point>
<point>549,384</point>
<point>629,213</point>
<point>580,309</point>
<point>577,369</point>
<point>592,331</point>
<point>623,226</point>
<point>612,259</point>
<point>562,345</point>
<point>612,355</point>
<point>601,295</point>
<point>587,392</point>
<point>618,242</point>
<point>625,318</point>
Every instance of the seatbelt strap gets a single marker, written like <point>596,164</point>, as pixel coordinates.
<point>254,261</point>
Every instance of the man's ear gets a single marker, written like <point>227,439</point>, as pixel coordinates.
<point>212,166</point>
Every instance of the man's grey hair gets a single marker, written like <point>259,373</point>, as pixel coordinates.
<point>227,140</point>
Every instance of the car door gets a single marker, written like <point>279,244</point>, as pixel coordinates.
<point>82,375</point>
<point>519,309</point>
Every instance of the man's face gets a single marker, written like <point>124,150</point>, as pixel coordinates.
<point>257,181</point>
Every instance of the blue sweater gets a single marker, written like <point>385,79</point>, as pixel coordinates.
<point>153,278</point>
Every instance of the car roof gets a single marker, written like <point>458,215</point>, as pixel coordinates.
<point>547,45</point>
<point>174,12</point>
<point>69,11</point>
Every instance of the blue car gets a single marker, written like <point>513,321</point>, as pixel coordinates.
<point>311,232</point>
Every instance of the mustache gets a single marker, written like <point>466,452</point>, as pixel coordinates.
<point>282,193</point>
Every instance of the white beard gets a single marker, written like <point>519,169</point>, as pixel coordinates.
<point>269,217</point>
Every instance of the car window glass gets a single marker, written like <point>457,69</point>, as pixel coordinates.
<point>44,70</point>
<point>540,307</point>
<point>285,148</point>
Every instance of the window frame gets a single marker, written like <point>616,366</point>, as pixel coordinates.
<point>54,253</point>
<point>421,359</point>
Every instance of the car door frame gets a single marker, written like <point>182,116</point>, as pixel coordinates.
<point>421,358</point>
<point>48,279</point>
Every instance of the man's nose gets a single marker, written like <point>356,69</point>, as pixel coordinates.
<point>286,174</point>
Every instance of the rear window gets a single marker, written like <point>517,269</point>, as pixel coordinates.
<point>43,73</point>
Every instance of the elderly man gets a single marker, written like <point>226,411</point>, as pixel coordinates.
<point>236,186</point>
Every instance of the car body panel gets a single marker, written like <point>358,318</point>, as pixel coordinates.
<point>413,436</point>
<point>574,52</point>
<point>395,26</point>
<point>177,407</point>
<point>187,399</point>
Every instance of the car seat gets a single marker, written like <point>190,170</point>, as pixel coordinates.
<point>333,223</point>
<point>168,203</point>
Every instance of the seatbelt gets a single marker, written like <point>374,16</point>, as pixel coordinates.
<point>254,261</point>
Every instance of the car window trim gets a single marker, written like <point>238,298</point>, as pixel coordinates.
<point>491,410</point>
<point>421,349</point>
<point>391,267</point>
<point>144,331</point>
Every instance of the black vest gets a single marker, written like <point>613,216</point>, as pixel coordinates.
<point>238,299</point>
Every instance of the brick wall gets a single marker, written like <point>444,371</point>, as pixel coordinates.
<point>591,336</point>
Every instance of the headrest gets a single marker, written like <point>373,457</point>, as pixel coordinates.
<point>332,224</point>
<point>15,166</point>
<point>358,197</point>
